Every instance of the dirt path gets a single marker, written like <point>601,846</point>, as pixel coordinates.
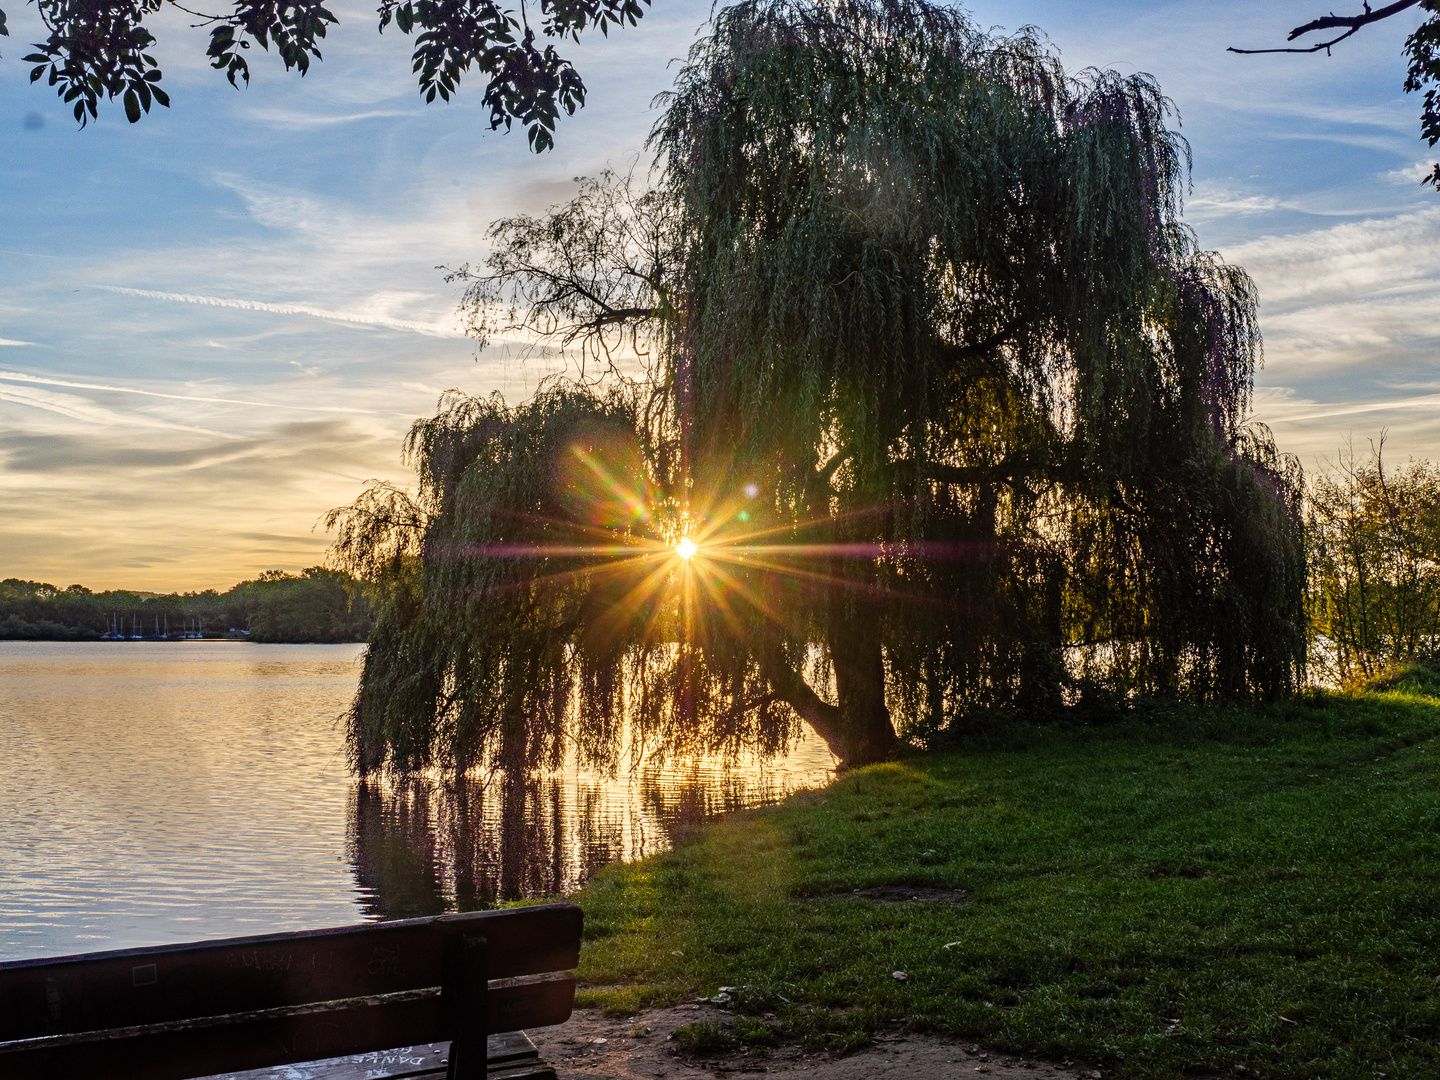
<point>590,1046</point>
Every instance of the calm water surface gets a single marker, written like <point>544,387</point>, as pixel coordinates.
<point>171,791</point>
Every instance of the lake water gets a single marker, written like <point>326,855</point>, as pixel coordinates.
<point>154,792</point>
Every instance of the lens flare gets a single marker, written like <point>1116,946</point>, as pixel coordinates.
<point>685,548</point>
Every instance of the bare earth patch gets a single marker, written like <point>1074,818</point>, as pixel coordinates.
<point>590,1045</point>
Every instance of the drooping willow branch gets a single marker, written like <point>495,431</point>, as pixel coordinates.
<point>934,465</point>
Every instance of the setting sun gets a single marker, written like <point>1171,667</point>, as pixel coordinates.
<point>685,548</point>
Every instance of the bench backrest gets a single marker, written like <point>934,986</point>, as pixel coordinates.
<point>178,1011</point>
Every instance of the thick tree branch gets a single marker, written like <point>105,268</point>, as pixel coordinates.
<point>790,687</point>
<point>1351,24</point>
<point>1332,21</point>
<point>600,322</point>
<point>826,471</point>
<point>955,354</point>
<point>1005,472</point>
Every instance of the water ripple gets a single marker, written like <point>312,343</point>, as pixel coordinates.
<point>158,792</point>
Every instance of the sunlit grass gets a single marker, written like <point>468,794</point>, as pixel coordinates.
<point>1186,889</point>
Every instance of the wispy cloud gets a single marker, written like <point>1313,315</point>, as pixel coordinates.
<point>1302,411</point>
<point>16,376</point>
<point>282,118</point>
<point>145,514</point>
<point>360,318</point>
<point>1212,201</point>
<point>1408,175</point>
<point>1351,317</point>
<point>75,407</point>
<point>1346,263</point>
<point>1317,429</point>
<point>280,245</point>
<point>10,341</point>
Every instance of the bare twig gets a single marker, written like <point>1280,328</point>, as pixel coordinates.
<point>1351,23</point>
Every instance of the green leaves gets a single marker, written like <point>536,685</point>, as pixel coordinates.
<point>930,250</point>
<point>98,50</point>
<point>1423,49</point>
<point>527,83</point>
<point>910,305</point>
<point>293,27</point>
<point>95,50</point>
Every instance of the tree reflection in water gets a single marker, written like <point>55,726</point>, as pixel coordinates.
<point>426,845</point>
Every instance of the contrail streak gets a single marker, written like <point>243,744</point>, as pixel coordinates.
<point>428,329</point>
<point>21,377</point>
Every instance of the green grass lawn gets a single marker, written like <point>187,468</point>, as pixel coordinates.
<point>1253,890</point>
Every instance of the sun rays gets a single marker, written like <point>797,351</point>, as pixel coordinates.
<point>649,562</point>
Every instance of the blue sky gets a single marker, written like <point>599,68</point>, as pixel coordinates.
<point>216,324</point>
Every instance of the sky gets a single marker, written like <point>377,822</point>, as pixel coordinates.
<point>217,324</point>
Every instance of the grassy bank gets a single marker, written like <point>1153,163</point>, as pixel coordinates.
<point>1249,890</point>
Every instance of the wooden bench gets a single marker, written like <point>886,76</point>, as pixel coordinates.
<point>181,1011</point>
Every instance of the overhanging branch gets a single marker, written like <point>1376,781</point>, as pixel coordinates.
<point>1350,23</point>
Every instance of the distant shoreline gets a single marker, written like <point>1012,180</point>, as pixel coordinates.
<point>316,606</point>
<point>220,640</point>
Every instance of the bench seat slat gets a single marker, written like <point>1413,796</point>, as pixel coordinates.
<point>509,1054</point>
<point>166,983</point>
<point>178,1050</point>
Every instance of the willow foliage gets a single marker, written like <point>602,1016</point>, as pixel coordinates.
<point>932,367</point>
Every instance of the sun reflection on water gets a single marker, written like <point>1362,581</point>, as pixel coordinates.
<point>431,844</point>
<point>176,791</point>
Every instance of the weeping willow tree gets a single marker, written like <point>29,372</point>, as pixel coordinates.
<point>933,406</point>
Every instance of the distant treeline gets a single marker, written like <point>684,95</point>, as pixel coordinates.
<point>316,605</point>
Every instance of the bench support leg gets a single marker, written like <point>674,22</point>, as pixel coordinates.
<point>467,987</point>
